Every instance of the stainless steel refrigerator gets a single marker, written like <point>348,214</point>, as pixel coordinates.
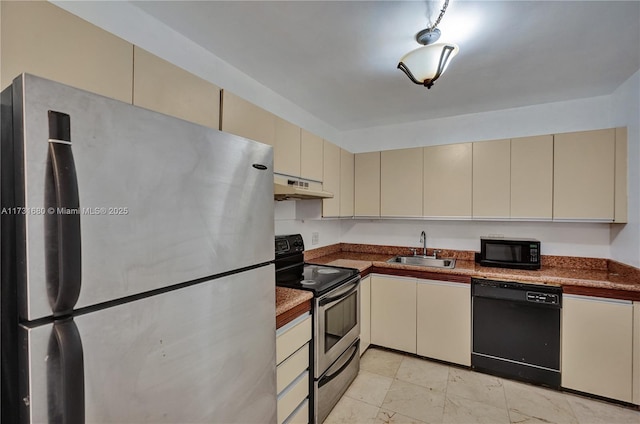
<point>136,264</point>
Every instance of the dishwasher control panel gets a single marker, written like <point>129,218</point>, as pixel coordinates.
<point>543,298</point>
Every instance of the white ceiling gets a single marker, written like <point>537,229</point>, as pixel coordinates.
<point>337,59</point>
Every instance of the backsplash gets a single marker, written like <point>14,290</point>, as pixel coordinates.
<point>591,240</point>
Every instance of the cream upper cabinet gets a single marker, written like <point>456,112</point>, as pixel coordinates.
<point>161,86</point>
<point>393,312</point>
<point>444,321</point>
<point>597,346</point>
<point>447,181</point>
<point>365,314</point>
<point>42,39</point>
<point>346,183</point>
<point>367,184</point>
<point>245,119</point>
<point>311,156</point>
<point>584,169</point>
<point>491,179</point>
<point>532,178</point>
<point>620,208</point>
<point>286,151</point>
<point>401,182</point>
<point>331,179</point>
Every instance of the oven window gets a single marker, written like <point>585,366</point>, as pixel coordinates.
<point>339,320</point>
<point>504,252</point>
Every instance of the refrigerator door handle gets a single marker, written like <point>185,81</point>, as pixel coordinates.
<point>65,374</point>
<point>62,219</point>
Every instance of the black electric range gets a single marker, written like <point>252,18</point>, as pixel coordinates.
<point>293,272</point>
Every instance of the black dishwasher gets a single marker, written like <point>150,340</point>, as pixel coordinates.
<point>516,330</point>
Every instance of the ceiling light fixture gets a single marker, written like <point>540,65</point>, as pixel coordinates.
<point>424,65</point>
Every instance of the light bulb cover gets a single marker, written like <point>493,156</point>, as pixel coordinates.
<point>424,65</point>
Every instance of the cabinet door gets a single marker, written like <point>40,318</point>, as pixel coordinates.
<point>44,40</point>
<point>532,178</point>
<point>444,321</point>
<point>161,86</point>
<point>620,208</point>
<point>311,156</point>
<point>636,353</point>
<point>365,314</point>
<point>286,152</point>
<point>597,346</point>
<point>491,179</point>
<point>245,119</point>
<point>331,179</point>
<point>346,183</point>
<point>447,181</point>
<point>367,184</point>
<point>393,312</point>
<point>583,186</point>
<point>401,182</point>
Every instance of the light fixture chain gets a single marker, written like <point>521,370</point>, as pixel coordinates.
<point>444,8</point>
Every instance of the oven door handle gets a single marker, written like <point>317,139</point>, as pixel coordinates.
<point>342,295</point>
<point>327,378</point>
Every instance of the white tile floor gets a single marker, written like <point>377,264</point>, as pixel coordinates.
<point>396,388</point>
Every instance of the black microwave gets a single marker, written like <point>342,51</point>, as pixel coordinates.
<point>509,253</point>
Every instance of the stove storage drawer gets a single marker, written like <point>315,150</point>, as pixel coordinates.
<point>300,415</point>
<point>292,367</point>
<point>293,396</point>
<point>292,336</point>
<point>292,373</point>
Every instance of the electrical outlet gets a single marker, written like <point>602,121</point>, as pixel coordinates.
<point>315,238</point>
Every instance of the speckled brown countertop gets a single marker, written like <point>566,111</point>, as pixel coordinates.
<point>290,304</point>
<point>587,276</point>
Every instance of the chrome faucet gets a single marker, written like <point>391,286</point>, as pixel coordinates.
<point>423,240</point>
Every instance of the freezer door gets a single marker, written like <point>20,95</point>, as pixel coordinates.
<point>160,200</point>
<point>201,354</point>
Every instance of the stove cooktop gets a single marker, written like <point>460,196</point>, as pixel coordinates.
<point>318,278</point>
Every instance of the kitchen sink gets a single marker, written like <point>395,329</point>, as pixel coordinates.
<point>424,261</point>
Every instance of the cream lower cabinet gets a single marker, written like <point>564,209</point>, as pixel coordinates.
<point>393,312</point>
<point>292,372</point>
<point>444,321</point>
<point>365,314</point>
<point>597,346</point>
<point>636,353</point>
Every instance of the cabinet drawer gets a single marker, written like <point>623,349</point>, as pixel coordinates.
<point>293,335</point>
<point>292,367</point>
<point>292,397</point>
<point>300,415</point>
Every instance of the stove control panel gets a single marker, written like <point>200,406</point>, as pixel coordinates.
<point>288,244</point>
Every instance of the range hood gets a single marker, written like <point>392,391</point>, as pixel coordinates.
<point>291,188</point>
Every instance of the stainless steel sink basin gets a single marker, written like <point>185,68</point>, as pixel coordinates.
<point>424,261</point>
